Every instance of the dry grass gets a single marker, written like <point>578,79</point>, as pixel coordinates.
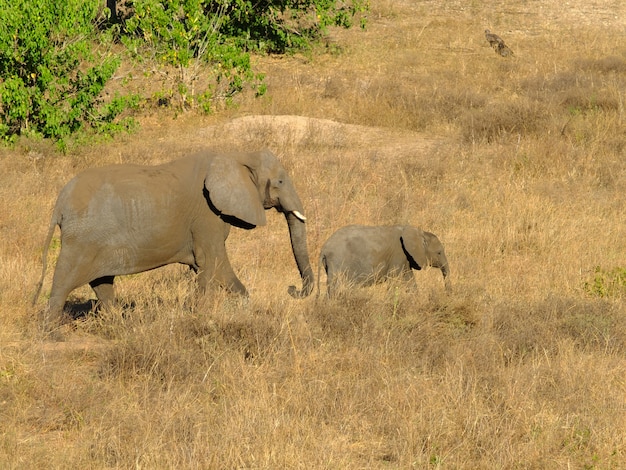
<point>516,164</point>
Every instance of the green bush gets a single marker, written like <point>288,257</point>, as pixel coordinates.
<point>185,35</point>
<point>192,34</point>
<point>277,26</point>
<point>607,283</point>
<point>51,78</point>
<point>55,63</point>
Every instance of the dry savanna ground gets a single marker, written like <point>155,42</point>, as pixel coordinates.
<point>518,164</point>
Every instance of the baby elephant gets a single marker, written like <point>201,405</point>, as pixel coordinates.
<point>366,255</point>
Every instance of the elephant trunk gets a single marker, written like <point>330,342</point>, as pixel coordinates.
<point>297,233</point>
<point>445,270</point>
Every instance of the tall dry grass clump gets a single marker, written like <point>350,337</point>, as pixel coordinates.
<point>517,164</point>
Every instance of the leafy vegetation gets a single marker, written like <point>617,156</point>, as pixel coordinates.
<point>56,58</point>
<point>52,76</point>
<point>191,35</point>
<point>607,283</point>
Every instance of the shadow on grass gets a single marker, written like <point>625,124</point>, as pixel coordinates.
<point>79,310</point>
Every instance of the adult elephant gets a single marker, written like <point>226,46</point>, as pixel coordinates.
<point>125,219</point>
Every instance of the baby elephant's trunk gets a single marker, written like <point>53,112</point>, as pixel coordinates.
<point>445,270</point>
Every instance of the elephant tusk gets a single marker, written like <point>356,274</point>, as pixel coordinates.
<point>299,215</point>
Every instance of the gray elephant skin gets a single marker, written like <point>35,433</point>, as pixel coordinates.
<point>364,255</point>
<point>126,219</point>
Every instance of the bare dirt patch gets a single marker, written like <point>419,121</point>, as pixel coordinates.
<point>301,131</point>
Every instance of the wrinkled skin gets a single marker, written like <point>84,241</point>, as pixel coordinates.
<point>364,255</point>
<point>125,219</point>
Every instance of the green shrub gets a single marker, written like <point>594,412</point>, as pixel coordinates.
<point>55,63</point>
<point>279,25</point>
<point>191,34</point>
<point>607,283</point>
<point>51,78</point>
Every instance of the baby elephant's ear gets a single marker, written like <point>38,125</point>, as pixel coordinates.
<point>414,245</point>
<point>232,191</point>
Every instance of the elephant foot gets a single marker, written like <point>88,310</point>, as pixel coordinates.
<point>295,293</point>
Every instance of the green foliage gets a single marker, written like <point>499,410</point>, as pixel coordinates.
<point>55,59</point>
<point>51,78</point>
<point>192,34</point>
<point>280,25</point>
<point>607,283</point>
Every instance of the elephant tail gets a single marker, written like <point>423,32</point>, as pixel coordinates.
<point>44,258</point>
<point>319,270</point>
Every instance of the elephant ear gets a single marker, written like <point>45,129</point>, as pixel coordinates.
<point>414,245</point>
<point>233,192</point>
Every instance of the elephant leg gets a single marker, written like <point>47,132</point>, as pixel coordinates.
<point>216,269</point>
<point>57,299</point>
<point>103,287</point>
<point>331,282</point>
<point>409,280</point>
<point>233,284</point>
<point>227,278</point>
<point>210,258</point>
<point>332,288</point>
<point>223,276</point>
<point>68,275</point>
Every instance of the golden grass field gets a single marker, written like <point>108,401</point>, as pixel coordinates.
<point>519,166</point>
